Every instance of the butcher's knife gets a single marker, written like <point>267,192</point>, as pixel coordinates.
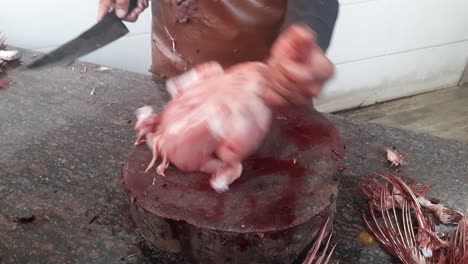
<point>107,30</point>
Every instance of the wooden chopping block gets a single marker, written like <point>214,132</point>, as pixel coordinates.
<point>271,214</point>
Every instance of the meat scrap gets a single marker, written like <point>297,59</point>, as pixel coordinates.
<point>218,117</point>
<point>394,157</point>
<point>6,56</point>
<point>4,83</point>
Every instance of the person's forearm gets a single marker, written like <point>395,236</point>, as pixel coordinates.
<point>320,15</point>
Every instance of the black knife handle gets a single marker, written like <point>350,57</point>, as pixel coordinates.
<point>132,5</point>
<point>111,15</point>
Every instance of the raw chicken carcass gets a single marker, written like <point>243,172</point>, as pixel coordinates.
<point>208,128</point>
<point>218,118</point>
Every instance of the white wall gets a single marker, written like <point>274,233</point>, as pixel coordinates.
<point>383,49</point>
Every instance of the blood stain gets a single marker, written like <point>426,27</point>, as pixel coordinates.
<point>175,229</point>
<point>217,212</point>
<point>201,184</point>
<point>279,212</point>
<point>270,165</point>
<point>243,245</point>
<point>303,128</point>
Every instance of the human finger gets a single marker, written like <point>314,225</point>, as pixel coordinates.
<point>104,7</point>
<point>121,8</point>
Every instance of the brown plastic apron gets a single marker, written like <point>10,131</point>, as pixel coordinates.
<point>189,32</point>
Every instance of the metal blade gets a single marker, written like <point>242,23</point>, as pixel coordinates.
<point>107,30</point>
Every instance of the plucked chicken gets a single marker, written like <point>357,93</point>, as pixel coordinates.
<point>217,118</point>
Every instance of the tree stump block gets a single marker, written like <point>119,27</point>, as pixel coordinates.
<point>269,215</point>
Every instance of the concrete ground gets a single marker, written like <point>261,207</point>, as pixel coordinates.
<point>64,137</point>
<point>442,113</point>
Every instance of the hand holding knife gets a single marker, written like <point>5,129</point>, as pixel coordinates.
<point>104,32</point>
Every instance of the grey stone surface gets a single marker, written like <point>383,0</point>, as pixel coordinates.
<point>62,151</point>
<point>431,160</point>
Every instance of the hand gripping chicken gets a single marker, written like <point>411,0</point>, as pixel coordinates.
<point>218,117</point>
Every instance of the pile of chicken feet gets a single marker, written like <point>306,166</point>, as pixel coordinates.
<point>218,117</point>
